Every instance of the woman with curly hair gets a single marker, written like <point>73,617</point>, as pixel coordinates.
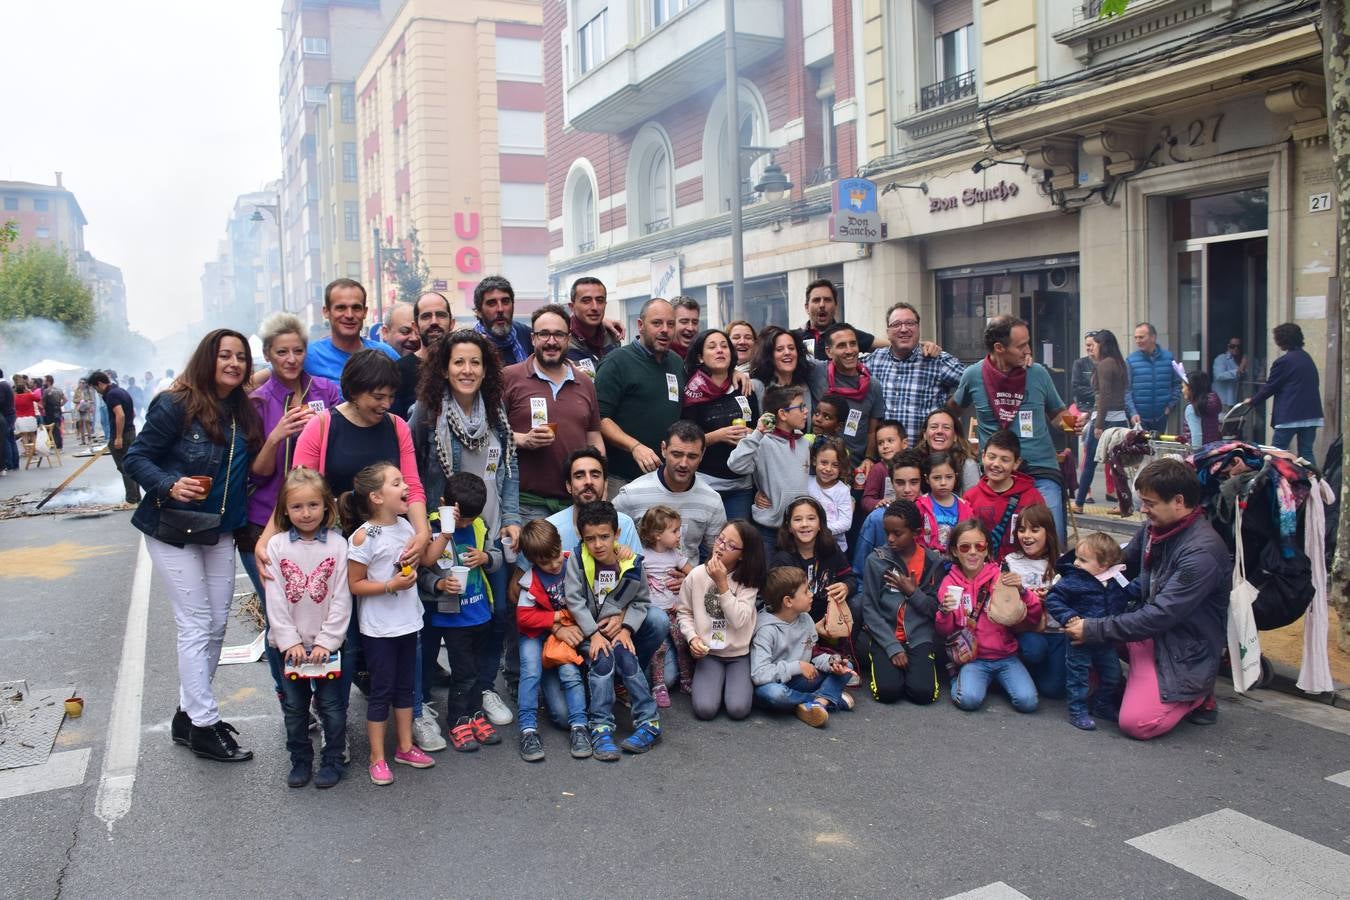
<point>942,434</point>
<point>781,359</point>
<point>460,425</point>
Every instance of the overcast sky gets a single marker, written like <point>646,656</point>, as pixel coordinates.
<point>159,113</point>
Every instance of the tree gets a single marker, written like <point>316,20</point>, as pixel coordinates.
<point>9,233</point>
<point>39,283</point>
<point>408,268</point>
<point>1336,68</point>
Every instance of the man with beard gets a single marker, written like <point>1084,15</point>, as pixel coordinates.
<point>553,410</point>
<point>591,339</point>
<point>673,484</point>
<point>432,318</point>
<point>640,386</point>
<point>822,306</point>
<point>849,378</point>
<point>687,313</point>
<point>344,306</point>
<point>400,331</point>
<point>494,303</point>
<point>916,376</point>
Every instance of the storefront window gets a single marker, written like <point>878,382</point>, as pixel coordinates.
<point>766,302</point>
<point>1234,212</point>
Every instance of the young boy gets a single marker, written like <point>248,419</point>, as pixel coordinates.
<point>460,615</point>
<point>1093,587</point>
<point>781,667</point>
<point>779,458</point>
<point>899,600</point>
<point>1001,491</point>
<point>540,612</point>
<point>607,597</point>
<point>906,470</point>
<point>828,416</point>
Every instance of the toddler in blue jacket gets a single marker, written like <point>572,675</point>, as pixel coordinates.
<point>1092,586</point>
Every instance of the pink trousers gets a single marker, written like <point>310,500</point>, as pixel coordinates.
<point>1143,714</point>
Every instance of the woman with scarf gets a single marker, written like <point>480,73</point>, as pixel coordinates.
<point>460,425</point>
<point>781,360</point>
<point>712,402</point>
<point>191,460</point>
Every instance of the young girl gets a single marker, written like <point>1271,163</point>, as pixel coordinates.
<point>963,601</point>
<point>1032,567</point>
<point>804,543</point>
<point>1202,409</point>
<point>716,616</point>
<point>308,608</point>
<point>659,531</point>
<point>830,459</point>
<point>391,615</point>
<point>940,507</point>
<point>877,490</point>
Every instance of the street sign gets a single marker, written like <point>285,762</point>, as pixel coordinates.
<point>854,217</point>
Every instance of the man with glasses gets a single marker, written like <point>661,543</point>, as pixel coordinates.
<point>432,317</point>
<point>1228,369</point>
<point>344,306</point>
<point>916,376</point>
<point>553,411</point>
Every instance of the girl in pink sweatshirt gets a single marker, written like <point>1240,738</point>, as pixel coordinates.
<point>963,600</point>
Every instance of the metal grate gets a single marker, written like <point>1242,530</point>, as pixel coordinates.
<point>947,90</point>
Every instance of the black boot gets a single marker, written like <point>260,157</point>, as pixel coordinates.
<point>180,729</point>
<point>217,742</point>
<point>301,771</point>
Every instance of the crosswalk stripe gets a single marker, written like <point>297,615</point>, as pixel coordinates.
<point>1249,858</point>
<point>61,770</point>
<point>1341,778</point>
<point>996,891</point>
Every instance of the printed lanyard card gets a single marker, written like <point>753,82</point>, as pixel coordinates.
<point>744,403</point>
<point>1025,419</point>
<point>494,456</point>
<point>605,582</point>
<point>538,412</point>
<point>853,423</point>
<point>672,388</point>
<point>587,365</point>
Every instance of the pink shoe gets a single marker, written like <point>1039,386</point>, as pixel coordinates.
<point>415,758</point>
<point>662,696</point>
<point>380,774</point>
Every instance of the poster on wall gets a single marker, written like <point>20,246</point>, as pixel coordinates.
<point>665,276</point>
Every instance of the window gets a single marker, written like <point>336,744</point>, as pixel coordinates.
<point>519,59</point>
<point>520,132</point>
<point>656,184</point>
<point>528,274</point>
<point>41,204</point>
<point>580,224</point>
<point>314,46</point>
<point>829,145</point>
<point>43,231</point>
<point>11,203</point>
<point>348,102</point>
<point>651,182</point>
<point>753,131</point>
<point>665,10</point>
<point>349,161</point>
<point>524,204</point>
<point>315,93</point>
<point>591,42</point>
<point>351,220</point>
<point>954,56</point>
<point>354,270</point>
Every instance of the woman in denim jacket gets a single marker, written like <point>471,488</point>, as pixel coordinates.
<point>193,455</point>
<point>459,425</point>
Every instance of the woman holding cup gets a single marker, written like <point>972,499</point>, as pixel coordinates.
<point>191,460</point>
<point>712,402</point>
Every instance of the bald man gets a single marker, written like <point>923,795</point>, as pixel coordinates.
<point>400,330</point>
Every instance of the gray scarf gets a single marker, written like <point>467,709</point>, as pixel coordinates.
<point>470,430</point>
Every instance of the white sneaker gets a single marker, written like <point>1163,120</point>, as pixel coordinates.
<point>498,713</point>
<point>854,680</point>
<point>427,733</point>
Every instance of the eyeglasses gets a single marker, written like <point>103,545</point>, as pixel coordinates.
<point>978,547</point>
<point>794,407</point>
<point>551,335</point>
<point>725,544</point>
<point>903,325</point>
<point>1234,346</point>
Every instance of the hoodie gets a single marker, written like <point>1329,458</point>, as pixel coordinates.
<point>883,604</point>
<point>534,611</point>
<point>700,604</point>
<point>629,597</point>
<point>934,536</point>
<point>994,641</point>
<point>1080,594</point>
<point>779,648</point>
<point>780,465</point>
<point>989,506</point>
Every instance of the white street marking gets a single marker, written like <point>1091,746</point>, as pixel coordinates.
<point>61,770</point>
<point>996,891</point>
<point>1247,857</point>
<point>123,748</point>
<point>1341,778</point>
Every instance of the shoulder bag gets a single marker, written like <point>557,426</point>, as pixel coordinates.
<point>961,644</point>
<point>195,526</point>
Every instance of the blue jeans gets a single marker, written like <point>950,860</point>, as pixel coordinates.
<point>1080,662</point>
<point>738,503</point>
<point>504,634</point>
<point>330,699</point>
<point>106,418</point>
<point>777,695</point>
<point>564,690</point>
<point>1053,492</point>
<point>972,683</point>
<point>655,629</point>
<point>1043,655</point>
<point>1307,436</point>
<point>274,664</point>
<point>1089,466</point>
<point>9,452</point>
<point>601,679</point>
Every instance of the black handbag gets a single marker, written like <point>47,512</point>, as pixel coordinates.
<point>195,526</point>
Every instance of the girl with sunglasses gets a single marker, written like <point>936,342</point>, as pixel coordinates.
<point>963,602</point>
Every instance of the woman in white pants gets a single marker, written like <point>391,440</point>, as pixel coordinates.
<point>191,461</point>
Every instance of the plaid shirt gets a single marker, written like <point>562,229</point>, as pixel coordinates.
<point>914,387</point>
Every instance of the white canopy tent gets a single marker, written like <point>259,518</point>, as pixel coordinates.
<point>50,367</point>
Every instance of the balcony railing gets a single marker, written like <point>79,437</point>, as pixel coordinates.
<point>655,225</point>
<point>823,175</point>
<point>947,90</point>
<point>585,246</point>
<point>1092,9</point>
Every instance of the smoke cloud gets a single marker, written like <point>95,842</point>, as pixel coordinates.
<point>27,341</point>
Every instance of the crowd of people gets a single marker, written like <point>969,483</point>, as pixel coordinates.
<point>778,519</point>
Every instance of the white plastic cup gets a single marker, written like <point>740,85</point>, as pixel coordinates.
<point>509,550</point>
<point>447,514</point>
<point>954,593</point>
<point>460,574</point>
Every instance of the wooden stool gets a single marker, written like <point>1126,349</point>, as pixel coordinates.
<point>37,456</point>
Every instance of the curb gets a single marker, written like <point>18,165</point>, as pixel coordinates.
<point>1284,680</point>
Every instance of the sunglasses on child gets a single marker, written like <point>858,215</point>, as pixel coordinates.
<point>978,547</point>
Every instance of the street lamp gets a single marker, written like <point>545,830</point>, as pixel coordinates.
<point>272,210</point>
<point>773,184</point>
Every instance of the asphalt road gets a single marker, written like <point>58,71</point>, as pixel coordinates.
<point>887,801</point>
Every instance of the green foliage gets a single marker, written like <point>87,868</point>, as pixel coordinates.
<point>408,268</point>
<point>39,283</point>
<point>9,233</point>
<point>1113,8</point>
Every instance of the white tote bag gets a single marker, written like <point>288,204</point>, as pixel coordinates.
<point>1244,641</point>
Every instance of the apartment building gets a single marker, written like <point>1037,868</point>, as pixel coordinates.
<point>450,116</point>
<point>44,214</point>
<point>640,191</point>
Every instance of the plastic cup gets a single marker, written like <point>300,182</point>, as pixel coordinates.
<point>447,514</point>
<point>203,483</point>
<point>551,426</point>
<point>954,594</point>
<point>460,574</point>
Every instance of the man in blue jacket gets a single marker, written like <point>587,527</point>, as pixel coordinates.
<point>1155,387</point>
<point>1294,385</point>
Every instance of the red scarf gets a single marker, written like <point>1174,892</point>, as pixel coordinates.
<point>700,388</point>
<point>1156,536</point>
<point>1005,390</point>
<point>789,436</point>
<point>857,394</point>
<point>680,349</point>
<point>595,342</point>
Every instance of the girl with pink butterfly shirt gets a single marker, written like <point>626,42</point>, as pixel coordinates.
<point>308,609</point>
